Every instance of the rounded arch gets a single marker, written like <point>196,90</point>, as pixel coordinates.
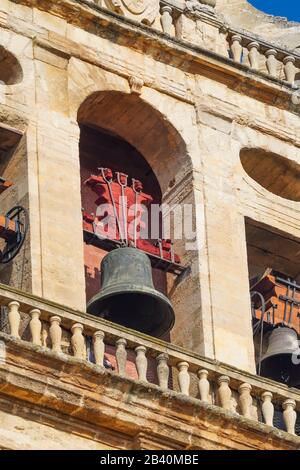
<point>142,126</point>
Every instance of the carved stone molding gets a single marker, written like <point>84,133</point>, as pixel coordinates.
<point>144,11</point>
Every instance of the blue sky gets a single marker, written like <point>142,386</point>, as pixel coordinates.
<point>287,8</point>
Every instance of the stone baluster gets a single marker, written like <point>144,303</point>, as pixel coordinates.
<point>35,326</point>
<point>224,392</point>
<point>163,371</point>
<point>253,48</point>
<point>289,415</point>
<point>99,347</point>
<point>55,333</point>
<point>78,341</point>
<point>166,19</point>
<point>121,355</point>
<point>236,47</point>
<point>245,399</point>
<point>267,408</point>
<point>203,385</point>
<point>14,318</point>
<point>183,377</point>
<point>272,62</point>
<point>290,69</point>
<point>141,362</point>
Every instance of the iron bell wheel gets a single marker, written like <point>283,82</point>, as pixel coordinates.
<point>128,296</point>
<point>277,363</point>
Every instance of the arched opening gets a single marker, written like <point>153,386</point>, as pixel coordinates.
<point>10,68</point>
<point>142,126</point>
<point>273,172</point>
<point>124,133</point>
<point>99,148</point>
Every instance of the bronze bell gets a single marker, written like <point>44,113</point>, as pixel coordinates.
<point>279,361</point>
<point>128,296</point>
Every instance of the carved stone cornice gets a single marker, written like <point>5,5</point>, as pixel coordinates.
<point>185,56</point>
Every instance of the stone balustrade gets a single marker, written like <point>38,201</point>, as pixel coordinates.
<point>263,57</point>
<point>27,318</point>
<point>242,47</point>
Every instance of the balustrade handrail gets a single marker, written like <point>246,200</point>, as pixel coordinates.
<point>248,36</point>
<point>265,45</point>
<point>210,372</point>
<point>199,11</point>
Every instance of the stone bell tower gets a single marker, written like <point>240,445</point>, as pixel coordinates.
<point>187,105</point>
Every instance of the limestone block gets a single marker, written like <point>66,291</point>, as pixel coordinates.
<point>19,433</point>
<point>78,35</point>
<point>4,5</point>
<point>52,88</point>
<point>52,59</point>
<point>16,10</point>
<point>49,21</point>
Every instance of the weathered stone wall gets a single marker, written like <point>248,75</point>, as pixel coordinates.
<point>194,113</point>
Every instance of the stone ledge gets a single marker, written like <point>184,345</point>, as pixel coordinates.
<point>97,397</point>
<point>70,316</point>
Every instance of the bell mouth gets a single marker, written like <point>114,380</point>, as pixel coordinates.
<point>280,363</point>
<point>147,311</point>
<point>281,369</point>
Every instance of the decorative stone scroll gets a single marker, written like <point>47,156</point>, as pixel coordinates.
<point>144,11</point>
